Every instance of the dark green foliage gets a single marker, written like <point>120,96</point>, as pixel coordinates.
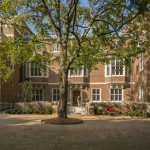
<point>148,114</point>
<point>18,111</point>
<point>30,111</point>
<point>136,113</point>
<point>36,111</point>
<point>13,111</point>
<point>48,110</point>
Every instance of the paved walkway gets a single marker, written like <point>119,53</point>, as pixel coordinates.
<point>25,132</point>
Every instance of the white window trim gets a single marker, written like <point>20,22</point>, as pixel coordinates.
<point>54,49</point>
<point>115,43</point>
<point>110,71</point>
<point>141,93</point>
<point>100,95</point>
<point>42,76</point>
<point>122,95</point>
<point>82,75</point>
<point>141,62</point>
<point>53,93</point>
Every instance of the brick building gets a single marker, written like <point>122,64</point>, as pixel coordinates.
<point>107,83</point>
<point>9,90</point>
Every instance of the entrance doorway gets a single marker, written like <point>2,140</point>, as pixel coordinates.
<point>76,94</point>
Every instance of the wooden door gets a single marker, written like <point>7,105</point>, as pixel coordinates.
<point>75,95</point>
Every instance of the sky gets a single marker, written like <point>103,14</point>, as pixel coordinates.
<point>83,2</point>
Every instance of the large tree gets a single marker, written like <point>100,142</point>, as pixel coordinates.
<point>84,31</point>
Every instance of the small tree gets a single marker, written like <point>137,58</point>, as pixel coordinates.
<point>25,91</point>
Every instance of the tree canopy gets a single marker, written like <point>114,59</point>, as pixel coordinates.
<point>85,34</point>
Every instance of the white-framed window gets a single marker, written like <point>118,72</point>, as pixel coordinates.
<point>96,95</point>
<point>115,43</point>
<point>141,92</point>
<point>116,94</point>
<point>55,94</point>
<point>55,47</point>
<point>115,68</point>
<point>141,62</point>
<point>82,72</point>
<point>37,71</point>
<point>38,94</point>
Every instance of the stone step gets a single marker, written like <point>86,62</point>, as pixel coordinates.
<point>77,110</point>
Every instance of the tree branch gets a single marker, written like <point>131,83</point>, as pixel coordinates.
<point>50,16</point>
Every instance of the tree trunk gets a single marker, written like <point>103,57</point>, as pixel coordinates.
<point>62,108</point>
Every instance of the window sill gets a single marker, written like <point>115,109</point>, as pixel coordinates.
<point>38,76</point>
<point>96,101</point>
<point>77,76</point>
<point>116,76</point>
<point>117,101</point>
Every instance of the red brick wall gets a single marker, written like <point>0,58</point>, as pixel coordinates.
<point>9,91</point>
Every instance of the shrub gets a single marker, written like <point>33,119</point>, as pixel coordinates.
<point>98,111</point>
<point>13,111</point>
<point>48,110</point>
<point>42,112</point>
<point>118,113</point>
<point>24,112</point>
<point>105,113</point>
<point>113,114</point>
<point>36,111</point>
<point>131,114</point>
<point>30,111</point>
<point>143,114</point>
<point>8,111</point>
<point>19,112</point>
<point>148,114</point>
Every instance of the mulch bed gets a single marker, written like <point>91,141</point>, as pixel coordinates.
<point>62,121</point>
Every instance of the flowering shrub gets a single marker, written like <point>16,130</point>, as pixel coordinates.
<point>117,112</point>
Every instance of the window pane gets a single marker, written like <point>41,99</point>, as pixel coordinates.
<point>112,97</point>
<point>120,91</point>
<point>120,97</point>
<point>54,91</point>
<point>56,94</point>
<point>94,91</point>
<point>57,91</point>
<point>116,97</point>
<point>94,97</point>
<point>116,91</point>
<point>108,69</point>
<point>98,91</point>
<point>80,72</point>
<point>85,72</point>
<point>54,98</point>
<point>32,72</point>
<point>112,91</point>
<point>98,98</point>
